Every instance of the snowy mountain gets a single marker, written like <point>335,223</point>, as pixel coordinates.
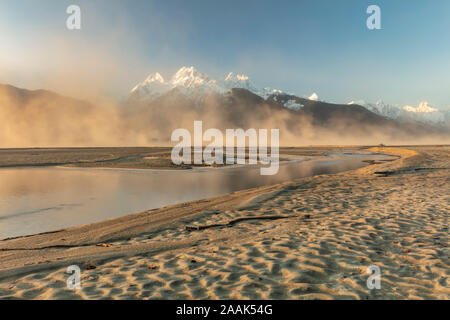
<point>423,113</point>
<point>187,79</point>
<point>313,97</point>
<point>238,81</point>
<point>151,87</point>
<point>303,121</point>
<point>380,108</point>
<point>423,107</point>
<point>194,84</point>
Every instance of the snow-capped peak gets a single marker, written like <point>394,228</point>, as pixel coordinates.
<point>358,102</point>
<point>380,108</point>
<point>238,81</point>
<point>188,80</point>
<point>189,77</point>
<point>239,77</point>
<point>423,113</point>
<point>423,107</point>
<point>153,86</point>
<point>155,77</point>
<point>194,83</point>
<point>313,97</point>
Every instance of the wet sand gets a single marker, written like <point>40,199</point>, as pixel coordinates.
<point>122,157</point>
<point>312,238</point>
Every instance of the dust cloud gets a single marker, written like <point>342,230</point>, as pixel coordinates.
<point>45,119</point>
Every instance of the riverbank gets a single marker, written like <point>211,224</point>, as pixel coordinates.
<point>158,158</point>
<point>310,238</point>
<point>47,198</point>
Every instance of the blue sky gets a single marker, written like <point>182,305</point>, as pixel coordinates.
<point>298,46</point>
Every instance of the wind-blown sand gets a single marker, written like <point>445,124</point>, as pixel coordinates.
<point>312,238</point>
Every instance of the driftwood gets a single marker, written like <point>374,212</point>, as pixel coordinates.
<point>389,173</point>
<point>234,221</point>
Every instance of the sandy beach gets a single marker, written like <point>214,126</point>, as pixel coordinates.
<point>312,238</point>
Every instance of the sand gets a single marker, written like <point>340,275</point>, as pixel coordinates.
<point>122,157</point>
<point>312,238</point>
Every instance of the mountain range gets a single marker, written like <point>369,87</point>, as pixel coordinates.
<point>234,101</point>
<point>195,84</point>
<point>155,107</point>
<point>423,113</point>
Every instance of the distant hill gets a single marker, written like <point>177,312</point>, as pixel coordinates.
<point>193,83</point>
<point>39,118</point>
<point>44,118</point>
<point>313,122</point>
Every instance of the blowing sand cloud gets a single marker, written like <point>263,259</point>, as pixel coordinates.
<point>45,119</point>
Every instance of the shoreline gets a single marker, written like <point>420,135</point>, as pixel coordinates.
<point>126,237</point>
<point>328,158</point>
<point>92,228</point>
<point>91,208</point>
<point>123,157</point>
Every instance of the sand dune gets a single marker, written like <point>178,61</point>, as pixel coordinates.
<point>313,238</point>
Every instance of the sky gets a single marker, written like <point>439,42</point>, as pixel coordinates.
<point>298,46</point>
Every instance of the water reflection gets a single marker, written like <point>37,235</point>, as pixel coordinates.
<point>34,200</point>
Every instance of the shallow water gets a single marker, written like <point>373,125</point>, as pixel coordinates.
<point>35,200</point>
